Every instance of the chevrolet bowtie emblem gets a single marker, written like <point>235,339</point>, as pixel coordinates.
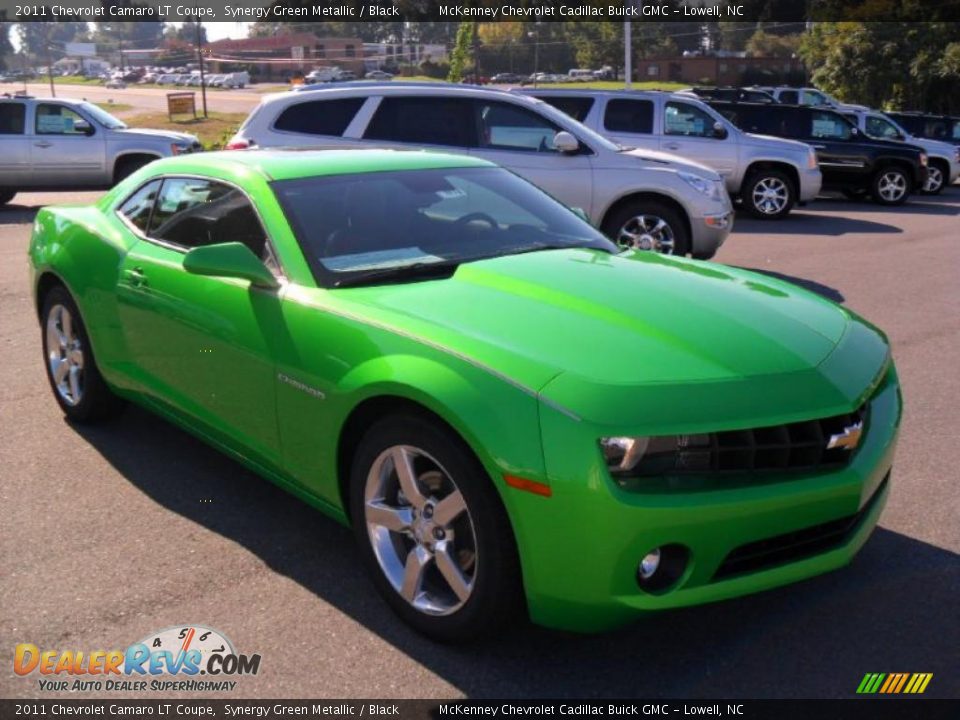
<point>848,439</point>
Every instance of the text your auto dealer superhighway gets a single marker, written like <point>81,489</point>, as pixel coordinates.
<point>610,709</point>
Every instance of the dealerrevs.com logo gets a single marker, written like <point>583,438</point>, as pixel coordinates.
<point>186,657</point>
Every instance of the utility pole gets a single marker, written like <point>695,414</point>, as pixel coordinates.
<point>476,55</point>
<point>203,82</point>
<point>627,54</point>
<point>53,92</point>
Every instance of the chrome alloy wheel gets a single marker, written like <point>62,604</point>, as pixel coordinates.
<point>420,530</point>
<point>647,232</point>
<point>934,179</point>
<point>892,186</point>
<point>65,357</point>
<point>770,195</point>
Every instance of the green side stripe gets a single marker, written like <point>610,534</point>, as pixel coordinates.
<point>863,683</point>
<point>876,684</point>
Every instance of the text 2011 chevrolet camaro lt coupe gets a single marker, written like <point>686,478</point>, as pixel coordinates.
<point>511,413</point>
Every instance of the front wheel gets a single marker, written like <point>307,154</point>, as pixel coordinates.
<point>432,531</point>
<point>936,179</point>
<point>6,196</point>
<point>891,186</point>
<point>768,195</point>
<point>648,225</point>
<point>72,370</point>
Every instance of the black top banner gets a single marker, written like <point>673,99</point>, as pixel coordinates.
<point>481,10</point>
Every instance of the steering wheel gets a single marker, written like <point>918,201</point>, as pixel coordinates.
<point>478,216</point>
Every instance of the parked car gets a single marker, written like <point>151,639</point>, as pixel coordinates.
<point>115,84</point>
<point>805,96</point>
<point>322,75</point>
<point>768,175</point>
<point>641,198</point>
<point>926,125</point>
<point>62,144</point>
<point>507,78</point>
<point>944,159</point>
<point>235,80</point>
<point>852,163</point>
<point>734,94</point>
<point>513,416</point>
<point>378,75</point>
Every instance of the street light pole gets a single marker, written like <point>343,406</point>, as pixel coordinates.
<point>627,54</point>
<point>203,82</point>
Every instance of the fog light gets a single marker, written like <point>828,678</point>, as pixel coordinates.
<point>649,564</point>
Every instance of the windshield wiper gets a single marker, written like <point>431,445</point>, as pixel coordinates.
<point>401,272</point>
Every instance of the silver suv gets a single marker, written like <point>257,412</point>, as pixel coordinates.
<point>61,144</point>
<point>641,199</point>
<point>769,175</point>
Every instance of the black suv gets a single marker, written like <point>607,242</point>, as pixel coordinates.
<point>733,94</point>
<point>944,128</point>
<point>850,162</point>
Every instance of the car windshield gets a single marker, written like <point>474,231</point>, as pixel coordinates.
<point>410,224</point>
<point>102,117</point>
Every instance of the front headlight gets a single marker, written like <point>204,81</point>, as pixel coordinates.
<point>662,454</point>
<point>710,188</point>
<point>179,148</point>
<point>812,159</point>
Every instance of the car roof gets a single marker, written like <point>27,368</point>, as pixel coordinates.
<point>387,88</point>
<point>295,163</point>
<point>593,92</point>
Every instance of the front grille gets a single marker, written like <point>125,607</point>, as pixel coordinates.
<point>796,545</point>
<point>795,447</point>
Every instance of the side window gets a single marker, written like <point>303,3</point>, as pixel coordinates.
<point>829,126</point>
<point>878,127</point>
<point>53,119</point>
<point>424,120</point>
<point>504,126</point>
<point>576,107</point>
<point>631,116</point>
<point>192,212</point>
<point>12,118</point>
<point>683,119</point>
<point>789,97</point>
<point>319,117</point>
<point>138,206</point>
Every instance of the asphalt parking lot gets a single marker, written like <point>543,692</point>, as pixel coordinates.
<point>112,532</point>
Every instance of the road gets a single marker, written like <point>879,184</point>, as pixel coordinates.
<point>152,99</point>
<point>112,532</point>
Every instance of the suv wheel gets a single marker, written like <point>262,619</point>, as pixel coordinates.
<point>768,194</point>
<point>128,166</point>
<point>891,186</point>
<point>6,196</point>
<point>936,178</point>
<point>432,530</point>
<point>648,225</point>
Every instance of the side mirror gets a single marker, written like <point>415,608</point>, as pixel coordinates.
<point>566,143</point>
<point>231,259</point>
<point>582,214</point>
<point>720,130</point>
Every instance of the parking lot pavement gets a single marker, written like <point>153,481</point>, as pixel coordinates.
<point>112,532</point>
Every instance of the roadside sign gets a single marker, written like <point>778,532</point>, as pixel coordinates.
<point>181,103</point>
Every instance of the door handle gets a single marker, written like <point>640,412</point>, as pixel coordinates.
<point>819,147</point>
<point>43,144</point>
<point>135,277</point>
<point>672,146</point>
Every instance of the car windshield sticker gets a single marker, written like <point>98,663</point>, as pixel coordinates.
<point>51,124</point>
<point>376,259</point>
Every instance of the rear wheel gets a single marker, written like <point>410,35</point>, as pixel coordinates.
<point>937,174</point>
<point>72,370</point>
<point>6,196</point>
<point>891,186</point>
<point>432,531</point>
<point>768,194</point>
<point>128,166</point>
<point>648,225</point>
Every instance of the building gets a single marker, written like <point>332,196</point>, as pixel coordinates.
<point>384,54</point>
<point>279,57</point>
<point>715,70</point>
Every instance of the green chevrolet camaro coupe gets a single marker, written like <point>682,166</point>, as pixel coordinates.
<point>513,415</point>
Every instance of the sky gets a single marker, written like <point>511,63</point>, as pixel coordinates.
<point>215,31</point>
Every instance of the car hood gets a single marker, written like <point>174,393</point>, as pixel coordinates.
<point>769,141</point>
<point>674,162</point>
<point>934,147</point>
<point>157,135</point>
<point>588,330</point>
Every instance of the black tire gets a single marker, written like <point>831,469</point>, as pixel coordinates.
<point>854,194</point>
<point>96,400</point>
<point>615,223</point>
<point>128,166</point>
<point>780,198</point>
<point>6,196</point>
<point>496,598</point>
<point>881,180</point>
<point>937,177</point>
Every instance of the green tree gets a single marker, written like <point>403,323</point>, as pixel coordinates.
<point>6,47</point>
<point>461,51</point>
<point>764,44</point>
<point>36,36</point>
<point>187,32</point>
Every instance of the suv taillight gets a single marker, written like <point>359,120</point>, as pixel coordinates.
<point>239,145</point>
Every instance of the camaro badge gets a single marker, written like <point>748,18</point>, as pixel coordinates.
<point>848,439</point>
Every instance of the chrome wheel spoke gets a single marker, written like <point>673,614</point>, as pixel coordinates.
<point>403,466</point>
<point>417,561</point>
<point>448,509</point>
<point>393,519</point>
<point>451,572</point>
<point>60,369</point>
<point>66,323</point>
<point>75,383</point>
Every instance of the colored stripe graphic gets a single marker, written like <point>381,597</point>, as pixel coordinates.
<point>894,683</point>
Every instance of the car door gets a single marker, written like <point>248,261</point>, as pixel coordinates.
<point>430,121</point>
<point>68,149</point>
<point>14,145</point>
<point>521,140</point>
<point>688,130</point>
<point>201,346</point>
<point>843,160</point>
<point>630,122</point>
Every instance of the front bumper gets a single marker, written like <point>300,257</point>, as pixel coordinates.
<point>708,232</point>
<point>580,548</point>
<point>810,182</point>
